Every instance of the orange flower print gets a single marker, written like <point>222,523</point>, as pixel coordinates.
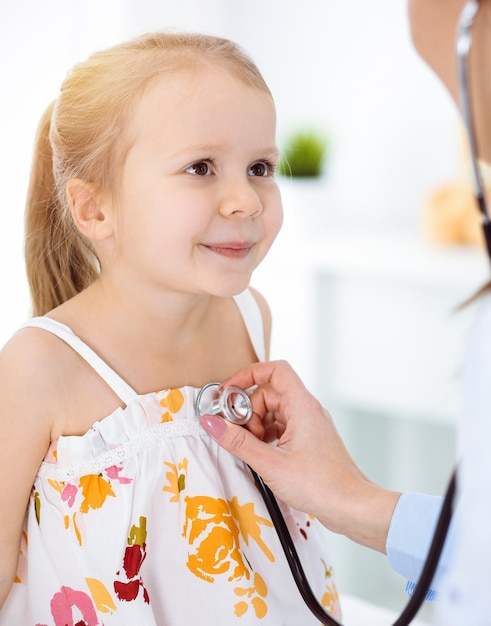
<point>90,493</point>
<point>213,533</point>
<point>330,601</point>
<point>56,484</point>
<point>21,574</point>
<point>249,524</point>
<point>172,401</point>
<point>78,525</point>
<point>37,507</point>
<point>101,596</point>
<point>177,479</point>
<point>214,537</point>
<point>255,594</point>
<point>95,490</point>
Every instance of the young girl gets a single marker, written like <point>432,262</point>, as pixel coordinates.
<point>152,200</point>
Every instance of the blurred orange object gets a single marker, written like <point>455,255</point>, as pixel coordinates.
<point>451,216</point>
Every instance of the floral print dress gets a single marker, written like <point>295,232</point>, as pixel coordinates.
<point>145,521</point>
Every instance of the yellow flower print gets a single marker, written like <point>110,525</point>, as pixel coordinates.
<point>21,573</point>
<point>330,598</point>
<point>213,534</point>
<point>56,484</point>
<point>173,401</point>
<point>255,593</point>
<point>95,490</point>
<point>37,506</point>
<point>249,524</point>
<point>78,527</point>
<point>177,481</point>
<point>101,596</point>
<point>330,601</point>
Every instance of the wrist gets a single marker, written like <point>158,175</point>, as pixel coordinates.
<point>366,515</point>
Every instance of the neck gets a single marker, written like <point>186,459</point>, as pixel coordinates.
<point>174,340</point>
<point>173,316</point>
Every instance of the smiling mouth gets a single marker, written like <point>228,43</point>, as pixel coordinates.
<point>230,250</point>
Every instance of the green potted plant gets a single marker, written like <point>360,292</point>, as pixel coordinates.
<point>303,182</point>
<point>304,155</point>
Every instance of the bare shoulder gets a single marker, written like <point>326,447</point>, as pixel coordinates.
<point>29,378</point>
<point>28,382</point>
<point>30,352</point>
<point>266,315</point>
<point>28,371</point>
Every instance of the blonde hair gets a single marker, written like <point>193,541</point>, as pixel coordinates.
<point>83,134</point>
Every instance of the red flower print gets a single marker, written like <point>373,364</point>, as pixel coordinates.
<point>134,555</point>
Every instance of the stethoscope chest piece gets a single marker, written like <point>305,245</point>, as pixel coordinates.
<point>231,402</point>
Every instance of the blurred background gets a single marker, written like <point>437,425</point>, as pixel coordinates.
<point>378,248</point>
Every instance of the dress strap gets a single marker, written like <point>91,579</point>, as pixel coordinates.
<point>113,380</point>
<point>253,319</point>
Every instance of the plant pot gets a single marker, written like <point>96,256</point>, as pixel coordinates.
<point>305,205</point>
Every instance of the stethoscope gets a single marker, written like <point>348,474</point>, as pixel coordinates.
<point>234,404</point>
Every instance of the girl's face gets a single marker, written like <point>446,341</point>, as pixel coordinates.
<point>198,206</point>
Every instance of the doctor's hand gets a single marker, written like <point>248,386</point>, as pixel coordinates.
<point>301,456</point>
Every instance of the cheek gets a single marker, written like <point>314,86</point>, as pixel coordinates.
<point>273,215</point>
<point>273,220</point>
<point>277,221</point>
<point>276,217</point>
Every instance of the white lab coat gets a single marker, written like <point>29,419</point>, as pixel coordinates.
<point>466,589</point>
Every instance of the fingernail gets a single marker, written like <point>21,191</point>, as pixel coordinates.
<point>213,425</point>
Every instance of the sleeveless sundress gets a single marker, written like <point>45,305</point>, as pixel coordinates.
<point>145,521</point>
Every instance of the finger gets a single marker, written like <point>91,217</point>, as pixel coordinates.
<point>240,442</point>
<point>279,373</point>
<point>273,432</point>
<point>266,427</point>
<point>264,400</point>
<point>255,425</point>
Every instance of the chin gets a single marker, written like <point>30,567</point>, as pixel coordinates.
<point>229,289</point>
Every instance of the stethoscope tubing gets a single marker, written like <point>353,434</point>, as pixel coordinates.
<point>463,47</point>
<point>420,592</point>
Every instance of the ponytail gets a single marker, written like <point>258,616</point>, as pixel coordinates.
<point>59,262</point>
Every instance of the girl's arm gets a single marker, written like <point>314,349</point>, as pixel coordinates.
<point>25,430</point>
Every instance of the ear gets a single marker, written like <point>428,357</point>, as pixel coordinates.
<point>92,216</point>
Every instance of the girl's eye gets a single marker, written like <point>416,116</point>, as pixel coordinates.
<point>200,168</point>
<point>261,168</point>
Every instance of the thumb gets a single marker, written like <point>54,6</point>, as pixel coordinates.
<point>238,440</point>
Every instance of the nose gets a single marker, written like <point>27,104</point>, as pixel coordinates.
<point>239,198</point>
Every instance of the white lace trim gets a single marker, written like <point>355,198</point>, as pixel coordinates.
<point>121,453</point>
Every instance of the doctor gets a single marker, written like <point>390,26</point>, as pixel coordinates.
<point>310,468</point>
